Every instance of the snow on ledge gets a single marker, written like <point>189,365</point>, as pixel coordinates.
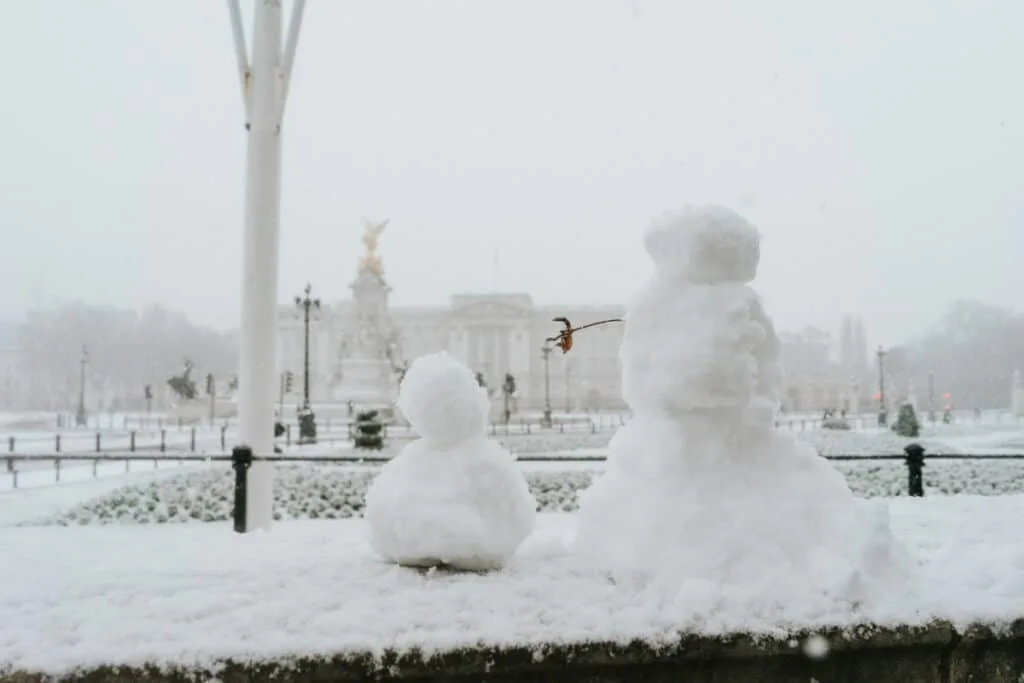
<point>195,594</point>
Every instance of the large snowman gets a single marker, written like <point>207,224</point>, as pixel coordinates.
<point>700,490</point>
<point>453,497</point>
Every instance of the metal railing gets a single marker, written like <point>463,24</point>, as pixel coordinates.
<point>242,458</point>
<point>164,440</point>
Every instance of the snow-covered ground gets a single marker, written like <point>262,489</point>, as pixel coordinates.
<point>79,597</point>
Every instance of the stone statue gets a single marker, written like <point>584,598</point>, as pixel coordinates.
<point>183,385</point>
<point>370,261</point>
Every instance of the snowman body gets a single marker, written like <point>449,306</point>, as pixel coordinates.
<point>452,497</point>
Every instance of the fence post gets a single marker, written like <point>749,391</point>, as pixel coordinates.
<point>56,442</point>
<point>10,464</point>
<point>10,444</point>
<point>14,479</point>
<point>99,447</point>
<point>192,440</point>
<point>287,435</point>
<point>241,460</point>
<point>915,466</point>
<point>163,440</point>
<point>95,464</point>
<point>223,437</point>
<point>127,465</point>
<point>56,469</point>
<point>131,442</point>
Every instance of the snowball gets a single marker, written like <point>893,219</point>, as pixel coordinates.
<point>699,491</point>
<point>442,400</point>
<point>816,647</point>
<point>452,497</point>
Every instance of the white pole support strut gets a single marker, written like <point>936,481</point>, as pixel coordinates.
<point>257,377</point>
<point>241,54</point>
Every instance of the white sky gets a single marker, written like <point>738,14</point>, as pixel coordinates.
<point>878,145</point>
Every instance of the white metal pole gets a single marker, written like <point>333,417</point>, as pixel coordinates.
<point>260,263</point>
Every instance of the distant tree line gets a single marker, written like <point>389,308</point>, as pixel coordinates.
<point>972,351</point>
<point>127,350</point>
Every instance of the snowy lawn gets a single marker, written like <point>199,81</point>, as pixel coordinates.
<point>191,594</point>
<point>337,492</point>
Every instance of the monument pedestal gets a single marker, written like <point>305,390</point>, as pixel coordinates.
<point>366,384</point>
<point>368,375</point>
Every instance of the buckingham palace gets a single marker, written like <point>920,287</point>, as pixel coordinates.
<point>493,334</point>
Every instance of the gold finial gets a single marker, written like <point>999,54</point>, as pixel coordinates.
<point>371,236</point>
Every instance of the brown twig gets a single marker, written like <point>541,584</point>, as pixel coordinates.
<point>564,338</point>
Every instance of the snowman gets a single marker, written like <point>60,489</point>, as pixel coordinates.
<point>699,489</point>
<point>453,497</point>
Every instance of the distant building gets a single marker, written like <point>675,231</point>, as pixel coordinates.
<point>853,345</point>
<point>493,334</point>
<point>815,379</point>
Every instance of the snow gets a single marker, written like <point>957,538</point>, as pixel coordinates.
<point>453,497</point>
<point>79,597</point>
<point>699,489</point>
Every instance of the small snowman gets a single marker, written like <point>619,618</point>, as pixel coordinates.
<point>453,497</point>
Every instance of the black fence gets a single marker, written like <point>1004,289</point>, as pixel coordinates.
<point>199,439</point>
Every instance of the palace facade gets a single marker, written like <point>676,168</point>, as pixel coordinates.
<point>493,334</point>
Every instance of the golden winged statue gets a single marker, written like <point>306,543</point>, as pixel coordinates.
<point>370,261</point>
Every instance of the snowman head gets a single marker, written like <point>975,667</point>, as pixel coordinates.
<point>442,399</point>
<point>704,244</point>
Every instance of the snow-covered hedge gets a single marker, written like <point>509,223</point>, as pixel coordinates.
<point>331,492</point>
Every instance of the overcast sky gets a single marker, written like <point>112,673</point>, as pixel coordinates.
<point>878,145</point>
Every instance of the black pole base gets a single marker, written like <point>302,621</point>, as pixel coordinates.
<point>915,470</point>
<point>241,461</point>
<point>307,428</point>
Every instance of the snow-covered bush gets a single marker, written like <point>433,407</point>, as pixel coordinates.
<point>906,422</point>
<point>330,492</point>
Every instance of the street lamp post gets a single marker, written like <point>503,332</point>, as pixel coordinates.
<point>568,386</point>
<point>508,390</point>
<point>307,419</point>
<point>546,350</point>
<point>80,417</point>
<point>883,415</point>
<point>931,397</point>
<point>264,84</point>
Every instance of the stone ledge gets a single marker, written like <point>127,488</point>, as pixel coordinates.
<point>865,654</point>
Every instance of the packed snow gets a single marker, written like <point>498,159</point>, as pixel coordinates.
<point>452,497</point>
<point>73,597</point>
<point>700,491</point>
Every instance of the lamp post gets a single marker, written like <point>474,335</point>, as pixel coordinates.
<point>307,420</point>
<point>80,417</point>
<point>883,416</point>
<point>546,351</point>
<point>931,397</point>
<point>264,84</point>
<point>508,390</point>
<point>568,386</point>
